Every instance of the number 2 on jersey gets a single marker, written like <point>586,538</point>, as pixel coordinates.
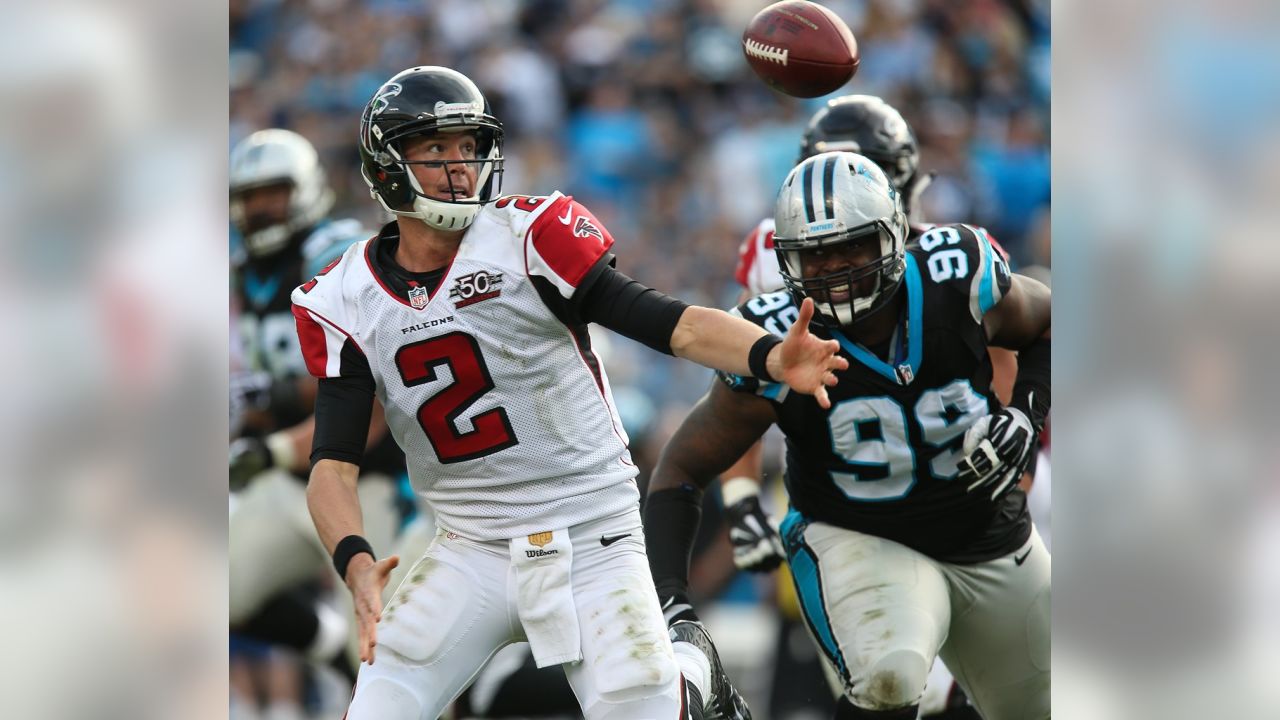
<point>417,363</point>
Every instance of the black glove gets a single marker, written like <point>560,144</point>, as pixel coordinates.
<point>249,457</point>
<point>997,450</point>
<point>756,545</point>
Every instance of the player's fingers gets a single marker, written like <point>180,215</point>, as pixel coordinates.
<point>364,642</point>
<point>1003,484</point>
<point>829,378</point>
<point>806,314</point>
<point>837,362</point>
<point>821,395</point>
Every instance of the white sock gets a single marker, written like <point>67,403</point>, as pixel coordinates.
<point>283,710</point>
<point>695,667</point>
<point>331,637</point>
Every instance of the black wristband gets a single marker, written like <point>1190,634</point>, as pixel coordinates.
<point>671,520</point>
<point>348,547</point>
<point>759,354</point>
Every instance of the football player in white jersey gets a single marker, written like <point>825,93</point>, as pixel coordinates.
<point>279,201</point>
<point>466,316</point>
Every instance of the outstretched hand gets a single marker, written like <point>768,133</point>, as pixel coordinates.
<point>366,579</point>
<point>805,362</point>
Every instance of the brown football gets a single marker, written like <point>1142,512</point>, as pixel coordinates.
<point>800,48</point>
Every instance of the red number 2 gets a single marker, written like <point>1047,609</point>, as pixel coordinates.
<point>492,431</point>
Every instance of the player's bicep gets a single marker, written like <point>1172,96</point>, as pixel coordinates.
<point>1022,315</point>
<point>719,429</point>
<point>344,410</point>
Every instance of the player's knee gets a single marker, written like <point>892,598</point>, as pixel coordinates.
<point>896,680</point>
<point>384,699</point>
<point>656,698</point>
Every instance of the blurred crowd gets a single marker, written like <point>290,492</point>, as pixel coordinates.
<point>646,112</point>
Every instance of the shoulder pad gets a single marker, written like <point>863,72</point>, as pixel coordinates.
<point>323,315</point>
<point>328,241</point>
<point>964,259</point>
<point>564,240</point>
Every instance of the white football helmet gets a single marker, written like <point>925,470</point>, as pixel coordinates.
<point>829,200</point>
<point>269,157</point>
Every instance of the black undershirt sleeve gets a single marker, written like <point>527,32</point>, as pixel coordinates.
<point>344,406</point>
<point>627,307</point>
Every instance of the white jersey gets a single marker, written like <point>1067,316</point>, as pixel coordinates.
<point>758,269</point>
<point>489,382</point>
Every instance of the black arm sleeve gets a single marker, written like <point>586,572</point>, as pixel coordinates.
<point>627,307</point>
<point>344,406</point>
<point>671,520</point>
<point>1032,386</point>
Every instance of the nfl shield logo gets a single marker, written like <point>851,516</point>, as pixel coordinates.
<point>418,297</point>
<point>540,539</point>
<point>905,376</point>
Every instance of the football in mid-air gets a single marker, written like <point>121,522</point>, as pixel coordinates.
<point>800,48</point>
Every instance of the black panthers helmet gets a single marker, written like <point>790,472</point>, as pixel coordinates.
<point>871,127</point>
<point>418,101</point>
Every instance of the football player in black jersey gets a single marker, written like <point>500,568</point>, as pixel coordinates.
<point>279,203</point>
<point>907,536</point>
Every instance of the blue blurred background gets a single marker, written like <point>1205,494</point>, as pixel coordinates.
<point>647,113</point>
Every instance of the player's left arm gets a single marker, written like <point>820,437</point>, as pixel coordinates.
<point>716,432</point>
<point>998,447</point>
<point>567,248</point>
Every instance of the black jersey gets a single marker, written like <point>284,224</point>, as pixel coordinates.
<point>263,285</point>
<point>883,459</point>
<point>268,329</point>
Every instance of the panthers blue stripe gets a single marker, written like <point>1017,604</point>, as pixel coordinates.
<point>915,315</point>
<point>986,289</point>
<point>915,331</point>
<point>808,581</point>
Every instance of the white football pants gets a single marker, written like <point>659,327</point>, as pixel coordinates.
<point>881,612</point>
<point>457,607</point>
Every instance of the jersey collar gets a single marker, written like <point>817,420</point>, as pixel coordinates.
<point>905,371</point>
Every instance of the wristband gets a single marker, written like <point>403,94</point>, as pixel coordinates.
<point>756,359</point>
<point>348,547</point>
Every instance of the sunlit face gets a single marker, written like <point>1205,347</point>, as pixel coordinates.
<point>453,181</point>
<point>265,206</point>
<point>841,258</point>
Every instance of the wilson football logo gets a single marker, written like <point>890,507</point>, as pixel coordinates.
<point>471,289</point>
